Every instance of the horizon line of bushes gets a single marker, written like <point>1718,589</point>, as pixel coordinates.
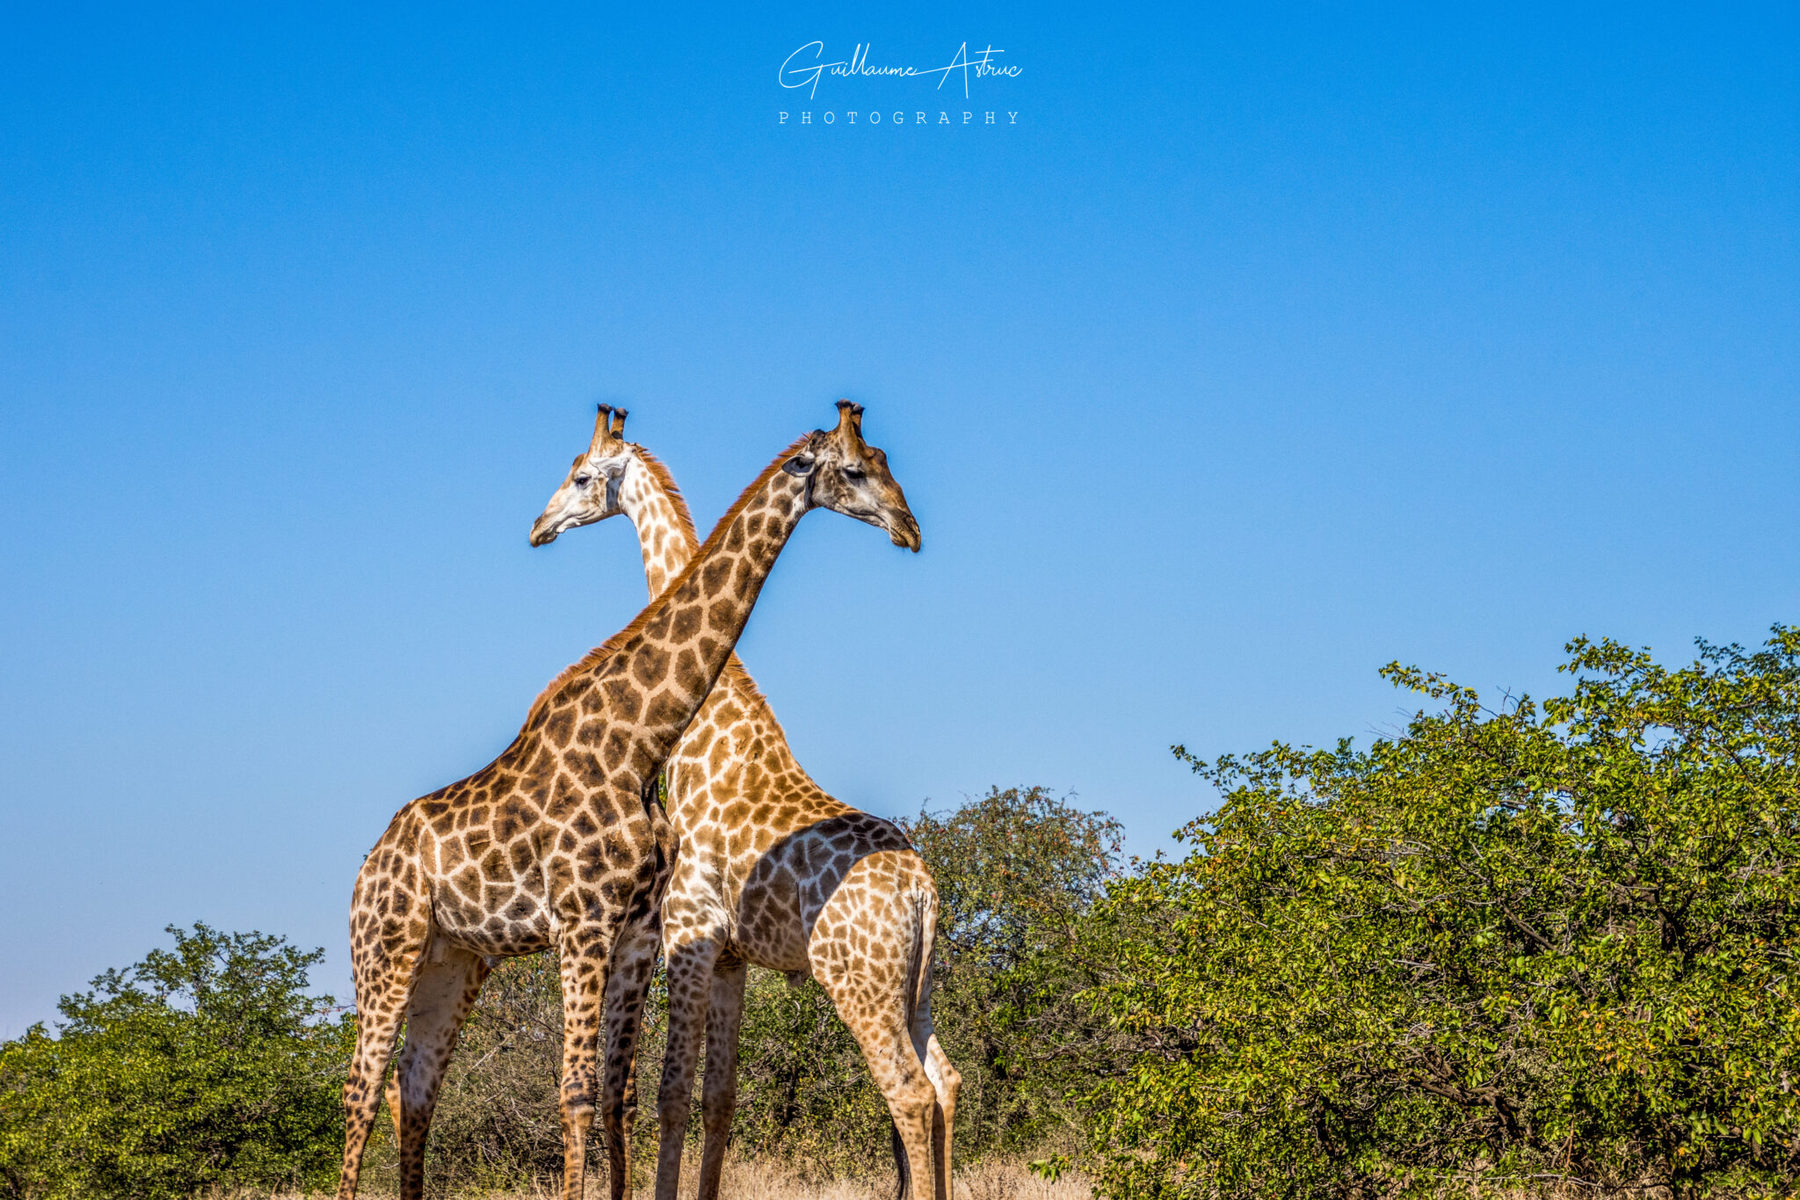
<point>1500,950</point>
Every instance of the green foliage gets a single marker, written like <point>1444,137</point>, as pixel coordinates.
<point>204,1066</point>
<point>804,1093</point>
<point>1017,872</point>
<point>1500,945</point>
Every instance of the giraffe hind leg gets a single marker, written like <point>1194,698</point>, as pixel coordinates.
<point>870,994</point>
<point>386,953</point>
<point>911,1101</point>
<point>883,993</point>
<point>946,1082</point>
<point>447,986</point>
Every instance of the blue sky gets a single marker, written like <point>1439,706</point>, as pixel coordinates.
<point>1268,346</point>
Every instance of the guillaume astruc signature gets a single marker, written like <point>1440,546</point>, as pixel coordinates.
<point>805,66</point>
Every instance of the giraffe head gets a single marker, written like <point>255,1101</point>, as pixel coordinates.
<point>847,475</point>
<point>590,491</point>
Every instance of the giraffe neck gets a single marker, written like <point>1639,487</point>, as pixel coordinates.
<point>658,670</point>
<point>655,506</point>
<point>665,528</point>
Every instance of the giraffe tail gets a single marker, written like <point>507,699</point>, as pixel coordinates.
<point>918,996</point>
<point>918,956</point>
<point>900,1162</point>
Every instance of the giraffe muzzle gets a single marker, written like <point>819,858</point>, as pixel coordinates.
<point>545,529</point>
<point>904,532</point>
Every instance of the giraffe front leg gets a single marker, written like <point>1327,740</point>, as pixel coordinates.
<point>628,983</point>
<point>718,1098</point>
<point>690,955</point>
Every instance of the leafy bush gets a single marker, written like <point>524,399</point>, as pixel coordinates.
<point>804,1093</point>
<point>1017,872</point>
<point>200,1067</point>
<point>1503,945</point>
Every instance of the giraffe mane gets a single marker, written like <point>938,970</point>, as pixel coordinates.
<point>746,687</point>
<point>661,474</point>
<point>605,650</point>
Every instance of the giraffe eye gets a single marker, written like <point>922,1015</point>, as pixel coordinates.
<point>854,473</point>
<point>583,480</point>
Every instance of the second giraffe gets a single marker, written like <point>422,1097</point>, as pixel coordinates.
<point>771,871</point>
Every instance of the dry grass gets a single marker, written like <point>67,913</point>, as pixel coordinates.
<point>765,1179</point>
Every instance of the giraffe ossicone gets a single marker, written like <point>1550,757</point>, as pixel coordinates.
<point>559,842</point>
<point>771,871</point>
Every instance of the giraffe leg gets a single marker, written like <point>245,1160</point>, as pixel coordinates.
<point>583,966</point>
<point>718,1097</point>
<point>911,1100</point>
<point>946,1082</point>
<point>882,993</point>
<point>690,956</point>
<point>379,1008</point>
<point>385,952</point>
<point>628,983</point>
<point>446,988</point>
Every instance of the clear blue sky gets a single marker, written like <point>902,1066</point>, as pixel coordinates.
<point>1265,348</point>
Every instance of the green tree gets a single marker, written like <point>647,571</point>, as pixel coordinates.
<point>1501,945</point>
<point>1017,872</point>
<point>203,1066</point>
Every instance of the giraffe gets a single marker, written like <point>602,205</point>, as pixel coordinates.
<point>771,871</point>
<point>559,842</point>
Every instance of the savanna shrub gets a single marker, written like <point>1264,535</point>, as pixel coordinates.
<point>205,1066</point>
<point>1552,943</point>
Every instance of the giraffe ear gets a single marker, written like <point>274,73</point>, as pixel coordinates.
<point>801,464</point>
